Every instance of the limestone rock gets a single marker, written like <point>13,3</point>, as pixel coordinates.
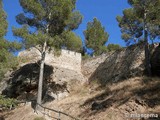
<point>117,65</point>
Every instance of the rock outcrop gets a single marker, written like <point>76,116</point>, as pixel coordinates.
<point>121,64</point>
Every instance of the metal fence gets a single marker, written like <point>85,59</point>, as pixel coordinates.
<point>46,111</point>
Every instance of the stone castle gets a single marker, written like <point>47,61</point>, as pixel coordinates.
<point>67,59</point>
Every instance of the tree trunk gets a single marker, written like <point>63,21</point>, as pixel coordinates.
<point>147,51</point>
<point>43,55</point>
<point>40,83</point>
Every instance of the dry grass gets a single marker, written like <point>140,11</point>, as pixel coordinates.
<point>135,95</point>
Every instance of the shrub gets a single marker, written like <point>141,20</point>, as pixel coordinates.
<point>7,103</point>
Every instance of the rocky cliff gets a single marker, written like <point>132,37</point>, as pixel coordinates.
<point>116,65</point>
<point>121,64</point>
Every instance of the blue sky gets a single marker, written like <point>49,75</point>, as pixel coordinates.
<point>105,10</point>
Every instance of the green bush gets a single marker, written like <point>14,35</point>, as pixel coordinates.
<point>86,57</point>
<point>7,103</point>
<point>7,62</point>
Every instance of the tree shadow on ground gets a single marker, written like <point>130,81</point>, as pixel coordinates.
<point>140,92</point>
<point>150,92</point>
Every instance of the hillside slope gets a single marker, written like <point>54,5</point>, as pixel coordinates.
<point>139,95</point>
<point>110,87</point>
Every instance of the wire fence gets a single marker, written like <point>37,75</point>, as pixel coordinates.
<point>46,111</point>
<point>58,112</point>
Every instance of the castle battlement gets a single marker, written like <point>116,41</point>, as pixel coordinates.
<point>67,59</point>
<point>73,53</point>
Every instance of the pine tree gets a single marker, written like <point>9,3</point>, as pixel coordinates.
<point>95,36</point>
<point>141,22</point>
<point>44,23</point>
<point>7,60</point>
<point>71,41</point>
<point>3,22</point>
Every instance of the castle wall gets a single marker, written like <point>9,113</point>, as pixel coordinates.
<point>67,59</point>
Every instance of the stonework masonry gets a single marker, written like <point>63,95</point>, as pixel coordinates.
<point>67,59</point>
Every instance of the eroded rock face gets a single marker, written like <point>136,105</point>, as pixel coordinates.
<point>117,65</point>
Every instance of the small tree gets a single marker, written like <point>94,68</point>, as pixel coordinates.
<point>141,22</point>
<point>44,23</point>
<point>95,36</point>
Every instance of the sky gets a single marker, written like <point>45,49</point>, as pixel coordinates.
<point>104,10</point>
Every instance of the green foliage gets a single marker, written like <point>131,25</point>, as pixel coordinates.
<point>31,39</point>
<point>86,57</point>
<point>39,118</point>
<point>139,23</point>
<point>72,41</point>
<point>7,60</point>
<point>95,36</point>
<point>113,47</point>
<point>3,22</point>
<point>56,17</point>
<point>133,20</point>
<point>44,23</point>
<point>131,26</point>
<point>103,49</point>
<point>10,46</point>
<point>69,40</point>
<point>74,20</point>
<point>7,103</point>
